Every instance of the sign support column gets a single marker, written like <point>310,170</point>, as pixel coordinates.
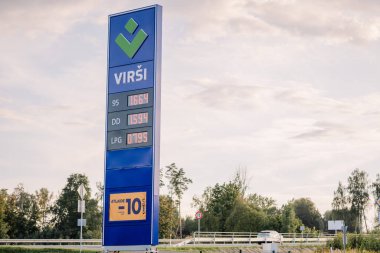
<point>131,198</point>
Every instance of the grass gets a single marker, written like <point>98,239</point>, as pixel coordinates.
<point>27,249</point>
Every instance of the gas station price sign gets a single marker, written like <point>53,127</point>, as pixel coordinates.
<point>130,216</point>
<point>138,99</point>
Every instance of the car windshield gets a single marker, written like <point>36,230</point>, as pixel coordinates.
<point>261,234</point>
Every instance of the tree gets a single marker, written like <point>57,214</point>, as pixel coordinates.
<point>94,217</point>
<point>245,218</point>
<point>340,198</point>
<point>218,202</point>
<point>3,224</point>
<point>99,193</point>
<point>266,204</point>
<point>43,198</point>
<point>307,212</point>
<point>376,188</point>
<point>168,217</point>
<point>349,218</point>
<point>65,210</point>
<point>190,225</point>
<point>22,214</point>
<point>289,220</point>
<point>358,188</point>
<point>162,183</point>
<point>178,184</point>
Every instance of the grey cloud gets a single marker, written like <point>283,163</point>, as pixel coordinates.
<point>323,129</point>
<point>312,134</point>
<point>225,96</point>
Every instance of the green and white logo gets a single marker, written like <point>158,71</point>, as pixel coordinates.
<point>131,48</point>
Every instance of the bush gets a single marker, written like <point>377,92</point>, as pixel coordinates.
<point>357,241</point>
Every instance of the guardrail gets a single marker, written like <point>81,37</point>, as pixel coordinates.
<point>250,238</point>
<point>210,238</point>
<point>50,241</point>
<point>70,241</point>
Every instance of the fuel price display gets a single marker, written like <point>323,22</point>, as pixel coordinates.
<point>138,99</point>
<point>138,118</point>
<point>137,138</point>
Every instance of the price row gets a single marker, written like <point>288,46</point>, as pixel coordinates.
<point>132,138</point>
<point>130,119</point>
<point>130,100</point>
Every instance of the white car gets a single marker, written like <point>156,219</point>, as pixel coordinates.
<point>269,236</point>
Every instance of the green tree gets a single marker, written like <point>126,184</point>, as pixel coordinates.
<point>307,212</point>
<point>376,193</point>
<point>190,225</point>
<point>289,220</point>
<point>168,217</point>
<point>219,201</point>
<point>358,189</point>
<point>22,214</point>
<point>345,214</point>
<point>178,184</point>
<point>340,200</point>
<point>65,209</point>
<point>43,198</point>
<point>99,193</point>
<point>266,204</point>
<point>245,218</point>
<point>3,205</point>
<point>94,216</point>
<point>340,203</point>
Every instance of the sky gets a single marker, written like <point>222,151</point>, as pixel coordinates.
<point>286,90</point>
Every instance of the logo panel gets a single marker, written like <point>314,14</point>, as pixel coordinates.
<point>130,48</point>
<point>132,38</point>
<point>130,77</point>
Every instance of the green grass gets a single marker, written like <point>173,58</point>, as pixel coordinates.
<point>10,249</point>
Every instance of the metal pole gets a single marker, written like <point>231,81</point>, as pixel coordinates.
<point>199,227</point>
<point>344,237</point>
<point>81,226</point>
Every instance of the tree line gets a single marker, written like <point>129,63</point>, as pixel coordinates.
<point>36,215</point>
<point>229,207</point>
<point>226,207</point>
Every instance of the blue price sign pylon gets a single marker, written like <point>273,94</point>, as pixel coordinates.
<point>131,207</point>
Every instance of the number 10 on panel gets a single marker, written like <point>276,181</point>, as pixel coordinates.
<point>128,206</point>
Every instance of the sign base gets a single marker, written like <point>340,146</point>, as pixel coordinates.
<point>145,248</point>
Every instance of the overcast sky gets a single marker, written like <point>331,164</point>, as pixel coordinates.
<point>287,89</point>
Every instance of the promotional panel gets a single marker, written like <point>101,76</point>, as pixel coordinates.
<point>130,216</point>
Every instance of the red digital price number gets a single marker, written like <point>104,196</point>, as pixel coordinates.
<point>137,138</point>
<point>138,99</point>
<point>138,118</point>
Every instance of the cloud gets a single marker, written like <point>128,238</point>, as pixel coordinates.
<point>325,130</point>
<point>42,19</point>
<point>330,21</point>
<point>224,95</point>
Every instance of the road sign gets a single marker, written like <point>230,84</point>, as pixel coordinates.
<point>81,206</point>
<point>302,228</point>
<point>198,215</point>
<point>130,217</point>
<point>81,191</point>
<point>335,224</point>
<point>81,223</point>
